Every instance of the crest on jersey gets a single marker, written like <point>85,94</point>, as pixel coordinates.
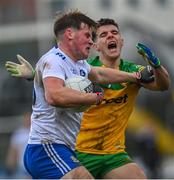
<point>82,73</point>
<point>75,159</point>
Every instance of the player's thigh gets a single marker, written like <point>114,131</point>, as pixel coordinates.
<point>127,171</point>
<point>78,173</point>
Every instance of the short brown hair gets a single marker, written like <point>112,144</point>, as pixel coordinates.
<point>103,22</point>
<point>71,19</point>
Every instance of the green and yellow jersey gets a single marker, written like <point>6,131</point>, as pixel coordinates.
<point>103,126</point>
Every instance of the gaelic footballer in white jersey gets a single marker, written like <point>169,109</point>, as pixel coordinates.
<point>52,124</point>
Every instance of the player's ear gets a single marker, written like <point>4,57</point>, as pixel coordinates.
<point>69,33</point>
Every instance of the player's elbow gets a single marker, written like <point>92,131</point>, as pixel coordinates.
<point>51,101</point>
<point>55,100</point>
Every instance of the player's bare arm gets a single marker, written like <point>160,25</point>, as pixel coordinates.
<point>107,75</point>
<point>58,95</point>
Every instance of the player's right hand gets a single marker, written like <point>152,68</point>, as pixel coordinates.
<point>22,70</point>
<point>99,91</point>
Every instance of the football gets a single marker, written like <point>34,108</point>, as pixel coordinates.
<point>81,84</point>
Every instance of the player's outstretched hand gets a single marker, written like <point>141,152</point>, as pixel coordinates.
<point>22,70</point>
<point>148,55</point>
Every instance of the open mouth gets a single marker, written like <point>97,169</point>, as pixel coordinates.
<point>112,45</point>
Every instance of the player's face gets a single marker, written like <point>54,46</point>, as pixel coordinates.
<point>109,41</point>
<point>82,42</point>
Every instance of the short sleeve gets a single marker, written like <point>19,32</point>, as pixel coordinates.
<point>52,67</point>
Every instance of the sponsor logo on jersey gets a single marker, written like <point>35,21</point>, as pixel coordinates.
<point>61,55</point>
<point>118,100</point>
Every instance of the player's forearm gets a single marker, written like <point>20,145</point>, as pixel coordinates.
<point>108,75</point>
<point>57,94</point>
<point>162,78</point>
<point>66,97</point>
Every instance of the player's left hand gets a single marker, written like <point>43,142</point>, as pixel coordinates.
<point>148,55</point>
<point>22,70</point>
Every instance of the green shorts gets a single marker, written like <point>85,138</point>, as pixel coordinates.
<point>99,165</point>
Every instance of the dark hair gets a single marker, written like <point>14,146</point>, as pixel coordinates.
<point>71,19</point>
<point>106,21</point>
<point>103,22</point>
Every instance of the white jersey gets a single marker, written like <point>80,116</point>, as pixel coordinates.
<point>49,123</point>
